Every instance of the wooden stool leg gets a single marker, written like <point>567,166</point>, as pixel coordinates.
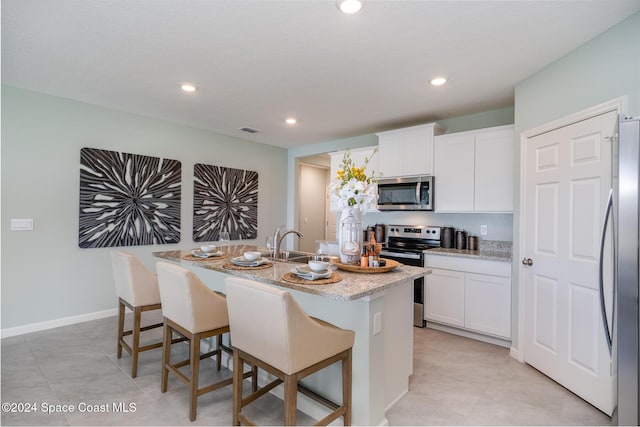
<point>137,317</point>
<point>290,399</point>
<point>237,387</point>
<point>166,355</point>
<point>195,370</point>
<point>120,327</point>
<point>346,387</point>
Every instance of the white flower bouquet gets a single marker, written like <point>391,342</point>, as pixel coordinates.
<point>351,187</point>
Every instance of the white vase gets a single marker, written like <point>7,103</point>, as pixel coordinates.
<point>357,214</point>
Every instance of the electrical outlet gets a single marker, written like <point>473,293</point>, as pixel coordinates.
<point>377,323</point>
<point>483,230</point>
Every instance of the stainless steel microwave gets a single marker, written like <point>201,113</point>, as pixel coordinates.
<point>406,193</point>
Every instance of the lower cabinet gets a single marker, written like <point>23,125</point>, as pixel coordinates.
<point>467,298</point>
<point>487,305</point>
<point>444,297</point>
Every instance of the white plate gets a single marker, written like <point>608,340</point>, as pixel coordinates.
<point>304,269</point>
<point>199,254</point>
<point>243,262</point>
<point>310,275</point>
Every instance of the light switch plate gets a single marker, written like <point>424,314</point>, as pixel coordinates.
<point>21,224</point>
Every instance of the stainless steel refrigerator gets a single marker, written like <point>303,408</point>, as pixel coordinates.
<point>625,330</point>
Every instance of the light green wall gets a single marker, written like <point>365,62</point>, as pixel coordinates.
<point>484,119</point>
<point>45,275</point>
<point>601,70</point>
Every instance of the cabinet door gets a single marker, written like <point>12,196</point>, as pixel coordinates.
<point>444,297</point>
<point>488,304</point>
<point>359,155</point>
<point>454,172</point>
<point>417,151</point>
<point>494,171</point>
<point>390,151</point>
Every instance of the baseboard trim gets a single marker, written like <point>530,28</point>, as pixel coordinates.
<point>502,342</point>
<point>50,324</point>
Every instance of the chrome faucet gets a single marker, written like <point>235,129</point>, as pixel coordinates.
<point>278,235</point>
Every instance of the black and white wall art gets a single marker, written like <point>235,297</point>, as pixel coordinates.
<point>128,199</point>
<point>224,199</point>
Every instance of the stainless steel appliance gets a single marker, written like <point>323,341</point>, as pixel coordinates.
<point>406,244</point>
<point>406,193</point>
<point>623,330</point>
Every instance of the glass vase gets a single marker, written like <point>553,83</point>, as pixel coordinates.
<point>350,239</point>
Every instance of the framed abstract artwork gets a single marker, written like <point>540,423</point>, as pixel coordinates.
<point>128,199</point>
<point>224,199</point>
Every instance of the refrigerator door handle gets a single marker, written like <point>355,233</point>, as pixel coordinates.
<point>605,222</point>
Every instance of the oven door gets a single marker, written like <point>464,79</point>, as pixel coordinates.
<point>415,259</point>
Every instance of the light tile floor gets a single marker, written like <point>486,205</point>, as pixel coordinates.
<point>456,381</point>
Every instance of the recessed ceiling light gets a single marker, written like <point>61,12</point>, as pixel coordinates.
<point>438,81</point>
<point>188,87</point>
<point>291,121</point>
<point>349,6</point>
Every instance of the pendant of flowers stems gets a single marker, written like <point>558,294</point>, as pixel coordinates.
<point>351,187</point>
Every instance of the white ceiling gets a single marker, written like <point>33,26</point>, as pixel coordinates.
<point>257,62</point>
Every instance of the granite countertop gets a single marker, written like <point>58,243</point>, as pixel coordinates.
<point>352,286</point>
<point>490,250</point>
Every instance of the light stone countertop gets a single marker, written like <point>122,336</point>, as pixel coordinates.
<point>490,250</point>
<point>352,286</point>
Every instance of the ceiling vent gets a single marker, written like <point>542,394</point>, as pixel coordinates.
<point>249,130</point>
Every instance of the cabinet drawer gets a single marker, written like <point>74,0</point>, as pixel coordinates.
<point>480,266</point>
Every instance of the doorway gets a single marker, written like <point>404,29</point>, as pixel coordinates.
<point>314,215</point>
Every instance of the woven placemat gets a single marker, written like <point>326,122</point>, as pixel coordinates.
<point>230,266</point>
<point>191,257</point>
<point>292,278</point>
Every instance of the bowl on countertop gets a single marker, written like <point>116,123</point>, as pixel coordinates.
<point>208,248</point>
<point>318,266</point>
<point>252,255</point>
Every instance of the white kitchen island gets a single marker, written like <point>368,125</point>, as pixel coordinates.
<point>378,307</point>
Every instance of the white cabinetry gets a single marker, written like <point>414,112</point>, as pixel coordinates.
<point>474,170</point>
<point>444,297</point>
<point>471,294</point>
<point>407,151</point>
<point>358,155</point>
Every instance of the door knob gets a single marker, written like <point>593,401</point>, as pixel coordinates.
<point>527,261</point>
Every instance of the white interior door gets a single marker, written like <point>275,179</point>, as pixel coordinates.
<point>567,181</point>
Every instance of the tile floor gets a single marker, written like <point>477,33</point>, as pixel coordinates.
<point>456,381</point>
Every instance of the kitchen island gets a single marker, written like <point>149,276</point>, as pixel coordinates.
<point>378,307</point>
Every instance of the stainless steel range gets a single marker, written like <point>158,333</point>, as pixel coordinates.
<point>406,244</point>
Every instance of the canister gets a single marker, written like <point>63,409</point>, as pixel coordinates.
<point>472,243</point>
<point>448,237</point>
<point>461,239</point>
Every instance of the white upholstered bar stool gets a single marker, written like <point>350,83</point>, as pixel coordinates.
<point>137,289</point>
<point>196,312</point>
<point>285,342</point>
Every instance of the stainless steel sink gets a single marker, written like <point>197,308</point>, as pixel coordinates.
<point>290,256</point>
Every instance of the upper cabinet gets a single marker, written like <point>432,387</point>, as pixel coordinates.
<point>358,155</point>
<point>474,170</point>
<point>407,151</point>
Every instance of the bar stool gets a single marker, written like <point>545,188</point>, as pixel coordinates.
<point>137,289</point>
<point>195,312</point>
<point>288,344</point>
